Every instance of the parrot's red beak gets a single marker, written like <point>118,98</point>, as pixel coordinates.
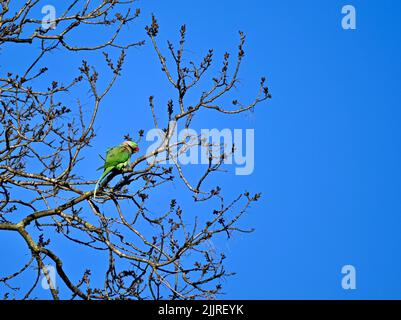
<point>136,149</point>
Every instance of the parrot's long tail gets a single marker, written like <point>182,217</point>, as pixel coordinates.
<point>104,174</point>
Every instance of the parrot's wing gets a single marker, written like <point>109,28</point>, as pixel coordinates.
<point>116,156</point>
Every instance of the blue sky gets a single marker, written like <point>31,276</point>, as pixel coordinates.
<point>327,149</point>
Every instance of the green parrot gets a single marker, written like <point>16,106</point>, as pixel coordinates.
<point>116,158</point>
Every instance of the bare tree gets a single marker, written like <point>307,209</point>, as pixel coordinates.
<point>149,254</point>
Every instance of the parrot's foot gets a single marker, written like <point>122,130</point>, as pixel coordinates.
<point>122,166</point>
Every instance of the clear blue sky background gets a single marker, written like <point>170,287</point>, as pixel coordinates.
<point>327,144</point>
